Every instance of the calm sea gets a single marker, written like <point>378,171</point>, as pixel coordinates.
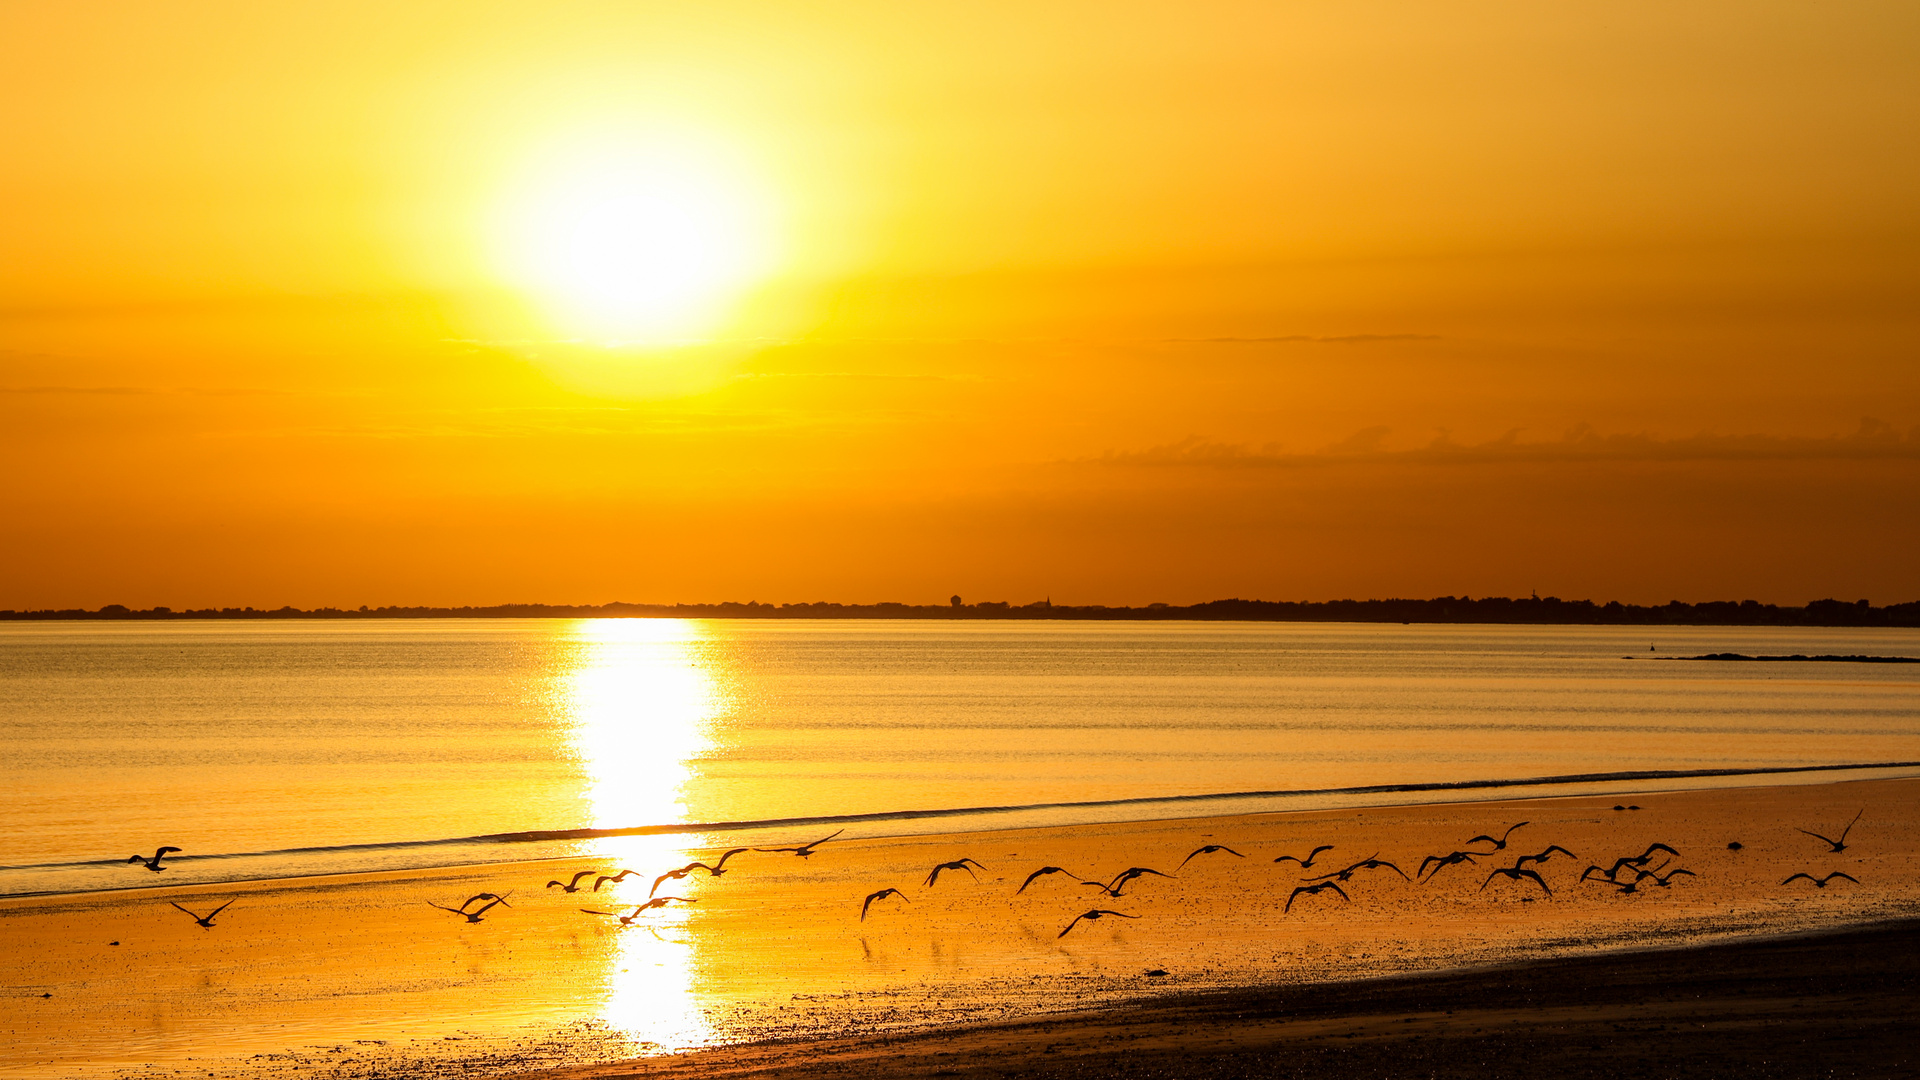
<point>268,749</point>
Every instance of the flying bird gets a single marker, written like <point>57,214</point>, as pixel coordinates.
<point>1051,870</point>
<point>1313,889</point>
<point>676,875</point>
<point>471,916</point>
<point>958,864</point>
<point>1516,873</point>
<point>207,919</point>
<point>881,895</point>
<point>1307,862</point>
<point>1445,861</point>
<point>604,878</point>
<point>627,920</point>
<point>1594,873</point>
<point>1090,916</point>
<point>1545,855</point>
<point>1120,880</point>
<point>483,896</point>
<point>574,885</point>
<point>1371,862</point>
<point>1208,850</point>
<point>153,864</point>
<point>720,867</point>
<point>1500,844</point>
<point>1821,882</point>
<point>1835,845</point>
<point>803,850</point>
<point>1666,880</point>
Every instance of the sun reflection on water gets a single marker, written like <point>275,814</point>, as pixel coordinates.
<point>641,701</point>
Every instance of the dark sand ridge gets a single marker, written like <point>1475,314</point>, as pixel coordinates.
<point>775,949</point>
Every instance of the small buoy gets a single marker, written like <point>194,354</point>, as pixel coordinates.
<point>1735,846</point>
<point>113,943</point>
<point>1155,973</point>
<point>1619,807</point>
<point>46,995</point>
<point>1630,807</point>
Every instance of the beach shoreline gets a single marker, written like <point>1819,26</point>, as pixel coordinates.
<point>327,976</point>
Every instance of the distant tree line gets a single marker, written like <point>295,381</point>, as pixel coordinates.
<point>1445,609</point>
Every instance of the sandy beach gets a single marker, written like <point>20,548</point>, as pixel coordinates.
<point>771,967</point>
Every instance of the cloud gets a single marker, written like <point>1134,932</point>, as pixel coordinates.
<point>1874,439</point>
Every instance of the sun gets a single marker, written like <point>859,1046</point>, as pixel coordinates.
<point>647,242</point>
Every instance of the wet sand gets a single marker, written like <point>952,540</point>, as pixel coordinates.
<point>357,976</point>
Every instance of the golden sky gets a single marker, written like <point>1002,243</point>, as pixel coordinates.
<point>462,303</point>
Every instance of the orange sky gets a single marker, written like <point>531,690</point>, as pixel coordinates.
<point>1110,303</point>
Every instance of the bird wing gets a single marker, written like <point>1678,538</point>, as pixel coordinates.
<point>483,910</point>
<point>1071,925</point>
<point>221,908</point>
<point>1483,836</point>
<point>1551,848</point>
<point>1308,889</point>
<point>1144,870</point>
<point>430,903</point>
<point>721,865</point>
<point>871,897</point>
<point>1342,892</point>
<point>1397,870</point>
<point>608,914</point>
<point>597,882</point>
<point>826,838</point>
<point>1510,829</point>
<point>1318,850</point>
<point>663,877</point>
<point>1850,825</point>
<point>1849,877</point>
<point>558,885</point>
<point>164,850</point>
<point>1292,858</point>
<point>934,876</point>
<point>1189,858</point>
<point>584,873</point>
<point>1535,875</point>
<point>1808,876</point>
<point>1816,835</point>
<point>189,912</point>
<point>1030,877</point>
<point>1429,859</point>
<point>962,865</point>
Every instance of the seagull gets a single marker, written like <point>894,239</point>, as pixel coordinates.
<point>1836,845</point>
<point>574,885</point>
<point>1208,850</point>
<point>1312,889</point>
<point>1667,880</point>
<point>1594,873</point>
<point>207,919</point>
<point>1113,888</point>
<point>1640,860</point>
<point>1051,870</point>
<point>153,864</point>
<point>1096,913</point>
<point>803,850</point>
<point>1543,856</point>
<point>1821,882</point>
<point>627,920</point>
<point>1515,873</point>
<point>471,916</point>
<point>959,864</point>
<point>1371,862</point>
<point>482,896</point>
<point>720,867</point>
<point>1500,844</point>
<point>881,895</point>
<point>1308,861</point>
<point>676,875</point>
<point>1444,861</point>
<point>604,878</point>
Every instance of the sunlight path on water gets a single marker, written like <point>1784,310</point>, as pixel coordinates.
<point>639,704</point>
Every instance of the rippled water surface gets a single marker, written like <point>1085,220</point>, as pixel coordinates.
<point>245,739</point>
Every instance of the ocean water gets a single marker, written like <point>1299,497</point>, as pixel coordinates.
<point>284,748</point>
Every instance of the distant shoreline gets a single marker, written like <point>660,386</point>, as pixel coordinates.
<point>1446,609</point>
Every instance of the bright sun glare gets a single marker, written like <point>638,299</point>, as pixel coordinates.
<point>637,242</point>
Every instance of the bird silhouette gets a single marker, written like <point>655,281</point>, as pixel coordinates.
<point>627,920</point>
<point>1371,862</point>
<point>676,875</point>
<point>1594,873</point>
<point>616,878</point>
<point>1821,882</point>
<point>957,864</point>
<point>153,864</point>
<point>1545,855</point>
<point>1500,844</point>
<point>574,885</point>
<point>1051,870</point>
<point>206,920</point>
<point>1834,845</point>
<point>1311,890</point>
<point>881,895</point>
<point>804,850</point>
<point>720,867</point>
<point>1307,862</point>
<point>1640,860</point>
<point>1445,861</point>
<point>1208,850</point>
<point>471,916</point>
<point>1516,873</point>
<point>484,896</point>
<point>1090,916</point>
<point>1121,879</point>
<point>1666,880</point>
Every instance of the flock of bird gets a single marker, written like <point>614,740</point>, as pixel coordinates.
<point>1625,874</point>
